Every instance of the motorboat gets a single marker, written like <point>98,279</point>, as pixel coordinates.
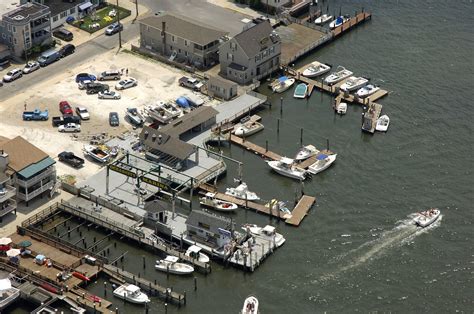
<point>341,108</point>
<point>427,217</point>
<point>338,22</point>
<point>274,203</point>
<point>8,294</point>
<point>301,91</point>
<point>323,19</point>
<point>322,163</point>
<point>134,116</point>
<point>305,152</point>
<point>96,153</point>
<point>354,83</point>
<point>268,232</point>
<point>163,112</point>
<point>242,192</point>
<point>286,167</point>
<point>131,293</point>
<point>170,264</point>
<point>316,69</point>
<point>250,305</point>
<point>340,74</point>
<point>382,123</point>
<point>194,251</point>
<point>282,84</point>
<point>248,128</point>
<point>210,200</point>
<point>367,90</point>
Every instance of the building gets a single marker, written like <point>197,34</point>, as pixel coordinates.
<point>30,170</point>
<point>61,9</point>
<point>26,26</point>
<point>208,228</point>
<point>198,120</point>
<point>221,88</point>
<point>181,39</point>
<point>7,191</point>
<point>276,4</point>
<point>252,54</point>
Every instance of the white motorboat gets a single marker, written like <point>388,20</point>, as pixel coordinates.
<point>282,84</point>
<point>280,205</point>
<point>8,294</point>
<point>194,251</point>
<point>338,22</point>
<point>242,192</point>
<point>163,112</point>
<point>301,91</point>
<point>382,123</point>
<point>316,69</point>
<point>354,83</point>
<point>210,200</point>
<point>96,153</point>
<point>131,293</point>
<point>340,74</point>
<point>286,167</point>
<point>367,90</point>
<point>134,116</point>
<point>305,152</point>
<point>341,108</point>
<point>250,305</point>
<point>427,217</point>
<point>323,162</point>
<point>248,128</point>
<point>268,232</point>
<point>170,264</point>
<point>323,19</point>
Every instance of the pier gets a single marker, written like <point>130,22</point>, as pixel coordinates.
<point>353,21</point>
<point>251,253</point>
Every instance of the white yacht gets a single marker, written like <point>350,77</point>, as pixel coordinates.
<point>131,293</point>
<point>210,200</point>
<point>170,263</point>
<point>96,153</point>
<point>242,192</point>
<point>354,83</point>
<point>194,251</point>
<point>382,123</point>
<point>248,128</point>
<point>316,69</point>
<point>367,90</point>
<point>268,232</point>
<point>286,167</point>
<point>305,152</point>
<point>323,162</point>
<point>341,108</point>
<point>338,22</point>
<point>323,19</point>
<point>250,305</point>
<point>427,217</point>
<point>282,84</point>
<point>340,74</point>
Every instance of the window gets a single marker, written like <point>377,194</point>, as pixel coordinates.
<point>185,42</point>
<point>63,14</point>
<point>172,38</point>
<point>186,53</point>
<point>179,50</point>
<point>55,18</point>
<point>72,10</point>
<point>14,41</point>
<point>14,29</point>
<point>230,56</point>
<point>204,226</point>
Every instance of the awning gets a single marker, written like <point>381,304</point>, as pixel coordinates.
<point>85,6</point>
<point>33,169</point>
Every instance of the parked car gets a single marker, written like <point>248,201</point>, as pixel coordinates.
<point>69,127</point>
<point>37,114</point>
<point>82,113</point>
<point>12,75</point>
<point>95,88</point>
<point>85,77</point>
<point>84,84</point>
<point>31,66</point>
<point>126,83</point>
<point>71,159</point>
<point>108,95</point>
<point>66,50</point>
<point>48,57</point>
<point>114,119</point>
<point>63,34</point>
<point>113,28</point>
<point>65,108</point>
<point>109,75</point>
<point>57,121</point>
<point>191,83</point>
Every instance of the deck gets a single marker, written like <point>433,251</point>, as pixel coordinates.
<point>86,299</point>
<point>301,210</point>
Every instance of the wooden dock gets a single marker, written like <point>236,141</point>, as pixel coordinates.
<point>301,210</point>
<point>354,21</point>
<point>258,150</point>
<point>88,300</point>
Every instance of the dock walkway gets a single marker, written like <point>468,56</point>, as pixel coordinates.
<point>354,21</point>
<point>301,210</point>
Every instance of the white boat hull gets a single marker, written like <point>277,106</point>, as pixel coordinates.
<point>341,108</point>
<point>121,293</point>
<point>356,84</point>
<point>182,270</point>
<point>319,166</point>
<point>219,205</point>
<point>426,218</point>
<point>322,19</point>
<point>321,69</point>
<point>203,258</point>
<point>290,173</point>
<point>247,131</point>
<point>337,77</point>
<point>382,123</point>
<point>367,91</point>
<point>280,88</point>
<point>250,306</point>
<point>306,152</point>
<point>299,94</point>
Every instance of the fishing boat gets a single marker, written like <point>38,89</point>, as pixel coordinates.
<point>194,251</point>
<point>282,84</point>
<point>338,22</point>
<point>242,192</point>
<point>427,217</point>
<point>300,90</point>
<point>248,128</point>
<point>382,123</point>
<point>340,74</point>
<point>305,152</point>
<point>274,203</point>
<point>250,305</point>
<point>96,153</point>
<point>134,116</point>
<point>268,232</point>
<point>341,108</point>
<point>170,264</point>
<point>210,200</point>
<point>286,167</point>
<point>367,90</point>
<point>322,163</point>
<point>316,69</point>
<point>323,19</point>
<point>131,293</point>
<point>354,83</point>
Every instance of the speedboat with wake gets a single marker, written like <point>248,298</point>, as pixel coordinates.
<point>382,123</point>
<point>268,233</point>
<point>367,90</point>
<point>427,217</point>
<point>354,83</point>
<point>323,19</point>
<point>250,305</point>
<point>286,167</point>
<point>242,192</point>
<point>305,152</point>
<point>323,162</point>
<point>316,69</point>
<point>340,74</point>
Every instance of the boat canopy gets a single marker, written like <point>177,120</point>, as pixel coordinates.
<point>194,249</point>
<point>132,288</point>
<point>268,229</point>
<point>339,20</point>
<point>172,259</point>
<point>210,194</point>
<point>286,160</point>
<point>182,102</point>
<point>282,79</point>
<point>322,157</point>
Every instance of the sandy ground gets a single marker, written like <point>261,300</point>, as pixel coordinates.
<point>231,5</point>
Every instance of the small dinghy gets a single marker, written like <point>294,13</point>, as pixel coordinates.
<point>282,84</point>
<point>426,218</point>
<point>367,90</point>
<point>382,123</point>
<point>131,293</point>
<point>300,90</point>
<point>209,200</point>
<point>194,251</point>
<point>316,69</point>
<point>250,305</point>
<point>323,19</point>
<point>323,162</point>
<point>170,264</point>
<point>341,108</point>
<point>305,152</point>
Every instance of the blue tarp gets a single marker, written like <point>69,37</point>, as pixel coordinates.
<point>339,20</point>
<point>321,157</point>
<point>283,78</point>
<point>182,102</point>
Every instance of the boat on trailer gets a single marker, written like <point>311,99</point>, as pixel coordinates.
<point>134,116</point>
<point>96,153</point>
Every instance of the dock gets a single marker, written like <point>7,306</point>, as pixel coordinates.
<point>353,21</point>
<point>251,253</point>
<point>301,210</point>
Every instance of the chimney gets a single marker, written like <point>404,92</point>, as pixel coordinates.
<point>4,160</point>
<point>160,138</point>
<point>153,137</point>
<point>145,135</point>
<point>163,35</point>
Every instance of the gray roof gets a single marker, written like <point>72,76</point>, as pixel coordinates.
<point>222,82</point>
<point>26,10</point>
<point>254,39</point>
<point>214,221</point>
<point>157,140</point>
<point>189,121</point>
<point>58,6</point>
<point>185,27</point>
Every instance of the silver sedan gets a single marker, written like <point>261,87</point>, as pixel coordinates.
<point>108,95</point>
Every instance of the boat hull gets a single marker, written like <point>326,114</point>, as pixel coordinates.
<point>323,69</point>
<point>241,131</point>
<point>171,270</point>
<point>424,219</point>
<point>333,79</point>
<point>381,126</point>
<point>298,175</point>
<point>300,92</point>
<point>315,168</point>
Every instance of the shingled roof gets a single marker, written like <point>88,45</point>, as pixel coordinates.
<point>252,39</point>
<point>22,153</point>
<point>189,121</point>
<point>157,140</point>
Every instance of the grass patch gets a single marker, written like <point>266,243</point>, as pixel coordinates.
<point>101,19</point>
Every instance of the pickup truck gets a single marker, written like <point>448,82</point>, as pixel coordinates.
<point>35,115</point>
<point>57,121</point>
<point>71,159</point>
<point>191,83</point>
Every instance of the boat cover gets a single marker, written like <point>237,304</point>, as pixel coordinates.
<point>283,79</point>
<point>339,20</point>
<point>321,157</point>
<point>182,102</point>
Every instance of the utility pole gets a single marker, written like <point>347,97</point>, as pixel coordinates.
<point>118,21</point>
<point>136,7</point>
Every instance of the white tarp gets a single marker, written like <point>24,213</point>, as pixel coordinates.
<point>5,284</point>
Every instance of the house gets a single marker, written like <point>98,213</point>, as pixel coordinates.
<point>61,9</point>
<point>221,88</point>
<point>209,229</point>
<point>276,5</point>
<point>198,120</point>
<point>181,39</point>
<point>252,54</point>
